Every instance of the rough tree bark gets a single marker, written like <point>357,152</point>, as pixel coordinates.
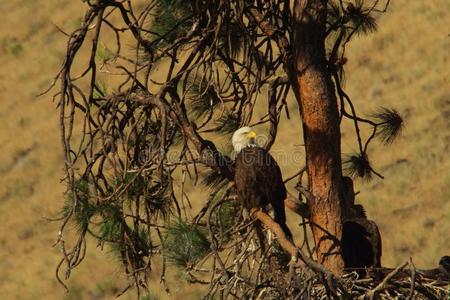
<point>317,102</point>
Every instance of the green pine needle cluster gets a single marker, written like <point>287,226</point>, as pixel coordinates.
<point>334,12</point>
<point>226,215</point>
<point>84,210</point>
<point>111,228</point>
<point>104,220</point>
<point>158,201</point>
<point>390,125</point>
<point>185,244</point>
<point>228,123</point>
<point>172,20</point>
<point>360,18</point>
<point>77,203</point>
<point>156,194</point>
<point>355,17</point>
<point>135,183</point>
<point>358,165</point>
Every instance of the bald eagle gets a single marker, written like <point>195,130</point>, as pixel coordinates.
<point>258,177</point>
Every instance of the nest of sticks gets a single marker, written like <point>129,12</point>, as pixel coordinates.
<point>404,282</point>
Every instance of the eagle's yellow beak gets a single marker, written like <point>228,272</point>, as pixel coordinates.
<point>251,135</point>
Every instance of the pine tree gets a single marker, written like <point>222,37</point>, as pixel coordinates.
<point>196,69</point>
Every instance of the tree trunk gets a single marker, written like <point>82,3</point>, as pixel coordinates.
<point>317,102</point>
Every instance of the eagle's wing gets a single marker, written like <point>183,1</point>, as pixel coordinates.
<point>259,182</point>
<point>258,178</point>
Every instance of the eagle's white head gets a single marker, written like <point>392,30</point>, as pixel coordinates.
<point>243,137</point>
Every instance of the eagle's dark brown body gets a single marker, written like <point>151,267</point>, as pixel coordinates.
<point>259,182</point>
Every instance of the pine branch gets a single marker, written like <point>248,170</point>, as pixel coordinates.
<point>360,18</point>
<point>185,244</point>
<point>358,165</point>
<point>390,125</point>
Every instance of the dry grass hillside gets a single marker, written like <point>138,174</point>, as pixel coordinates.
<point>406,65</point>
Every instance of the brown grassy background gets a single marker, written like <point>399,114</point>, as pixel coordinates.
<point>404,65</point>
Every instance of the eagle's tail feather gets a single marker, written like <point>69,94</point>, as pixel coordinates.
<point>286,231</point>
<point>261,236</point>
<point>280,218</point>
